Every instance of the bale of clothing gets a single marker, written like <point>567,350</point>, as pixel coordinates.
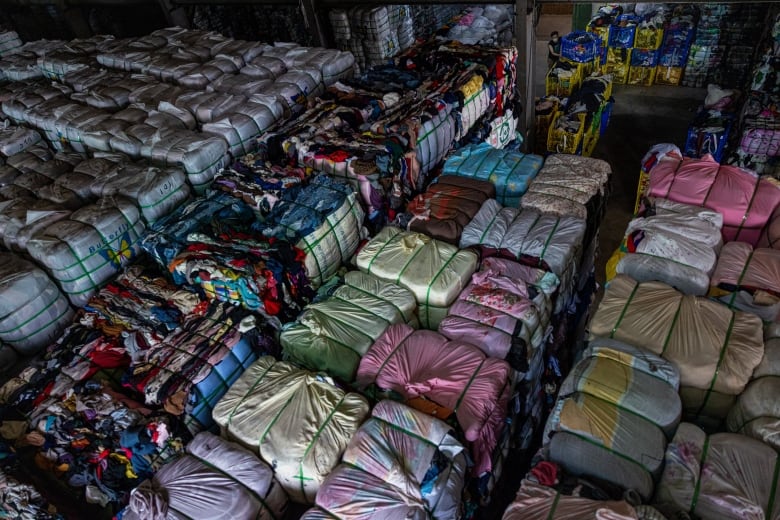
<point>402,462</point>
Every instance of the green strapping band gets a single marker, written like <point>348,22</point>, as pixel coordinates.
<point>411,259</point>
<point>170,194</point>
<point>314,439</point>
<point>739,280</point>
<point>248,392</point>
<point>671,327</point>
<point>364,309</point>
<point>368,268</point>
<point>697,489</point>
<point>610,450</point>
<point>547,242</point>
<point>384,363</point>
<point>554,506</point>
<point>747,210</point>
<point>468,385</point>
<point>720,361</point>
<point>384,301</point>
<point>397,428</point>
<point>31,318</point>
<point>43,327</point>
<point>430,286</point>
<point>623,312</point>
<point>488,227</point>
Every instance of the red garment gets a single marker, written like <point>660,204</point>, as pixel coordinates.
<point>546,473</point>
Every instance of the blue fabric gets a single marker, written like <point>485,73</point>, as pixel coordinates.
<point>295,217</point>
<point>510,172</point>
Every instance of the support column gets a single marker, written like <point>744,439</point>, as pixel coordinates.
<point>313,20</point>
<point>525,40</point>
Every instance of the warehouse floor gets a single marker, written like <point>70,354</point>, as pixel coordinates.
<point>641,117</point>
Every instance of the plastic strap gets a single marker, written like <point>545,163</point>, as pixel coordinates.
<point>674,177</point>
<point>720,361</point>
<point>405,431</point>
<point>547,242</point>
<point>671,327</point>
<point>249,392</point>
<point>468,385</point>
<point>747,210</point>
<point>739,280</point>
<point>31,318</point>
<point>551,514</point>
<point>40,329</point>
<point>361,308</point>
<point>314,439</point>
<point>384,363</point>
<point>430,286</point>
<point>231,477</point>
<point>610,450</point>
<point>697,489</point>
<point>397,280</point>
<point>709,190</point>
<point>623,312</point>
<point>371,263</point>
<point>383,301</point>
<point>488,227</point>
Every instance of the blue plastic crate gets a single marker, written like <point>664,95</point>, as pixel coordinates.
<point>644,58</point>
<point>701,141</point>
<point>623,37</point>
<point>674,57</point>
<point>580,46</point>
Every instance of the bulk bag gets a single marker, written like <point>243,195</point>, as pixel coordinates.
<point>240,84</point>
<point>593,437</point>
<point>443,378</point>
<point>719,476</point>
<point>16,139</point>
<point>537,502</point>
<point>716,349</point>
<point>214,476</point>
<point>241,128</point>
<point>745,201</point>
<point>447,206</point>
<point>264,67</point>
<point>200,156</point>
<point>324,220</point>
<point>85,250</point>
<point>510,172</point>
<point>748,279</point>
<point>756,412</point>
<point>436,136</point>
<point>771,235</point>
<point>332,335</point>
<point>155,191</point>
<point>631,378</point>
<point>436,272</point>
<point>33,311</point>
<point>403,455</point>
<point>296,420</point>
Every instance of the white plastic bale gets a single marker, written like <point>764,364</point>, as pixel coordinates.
<point>265,67</point>
<point>99,137</point>
<point>61,195</point>
<point>15,139</point>
<point>241,84</point>
<point>209,106</point>
<point>33,311</point>
<point>55,65</point>
<point>132,140</point>
<point>200,156</point>
<point>183,118</point>
<point>435,138</point>
<point>646,268</point>
<point>290,94</point>
<point>165,121</point>
<point>245,49</point>
<point>156,191</point>
<point>167,68</point>
<point>278,108</point>
<point>133,114</point>
<point>241,129</point>
<point>334,65</point>
<point>91,246</point>
<point>21,66</point>
<point>153,93</point>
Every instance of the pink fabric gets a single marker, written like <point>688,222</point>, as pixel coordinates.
<point>745,202</point>
<point>487,311</point>
<point>452,374</point>
<point>761,141</point>
<point>741,265</point>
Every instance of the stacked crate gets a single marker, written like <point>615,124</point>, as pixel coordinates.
<point>621,42</point>
<point>644,56</point>
<point>674,51</point>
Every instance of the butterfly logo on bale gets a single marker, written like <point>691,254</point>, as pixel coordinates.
<point>124,254</point>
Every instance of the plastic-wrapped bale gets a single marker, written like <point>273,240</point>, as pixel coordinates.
<point>264,67</point>
<point>546,241</point>
<point>324,220</point>
<point>632,378</point>
<point>507,318</point>
<point>203,75</point>
<point>89,247</point>
<point>16,139</point>
<point>308,80</point>
<point>745,201</point>
<point>247,50</point>
<point>33,311</point>
<point>213,476</point>
<point>56,64</point>
<point>240,84</point>
<point>570,185</point>
<point>404,456</point>
<point>199,155</point>
<point>536,502</point>
<point>22,218</point>
<point>677,244</point>
<point>434,271</point>
<point>715,349</point>
<point>296,420</point>
<point>724,475</point>
<point>156,191</point>
<point>10,43</point>
<point>510,172</point>
<point>436,136</point>
<point>443,378</point>
<point>334,334</point>
<point>756,412</point>
<point>447,206</point>
<point>591,436</point>
<point>241,128</point>
<point>89,172</point>
<point>333,64</point>
<point>748,279</point>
